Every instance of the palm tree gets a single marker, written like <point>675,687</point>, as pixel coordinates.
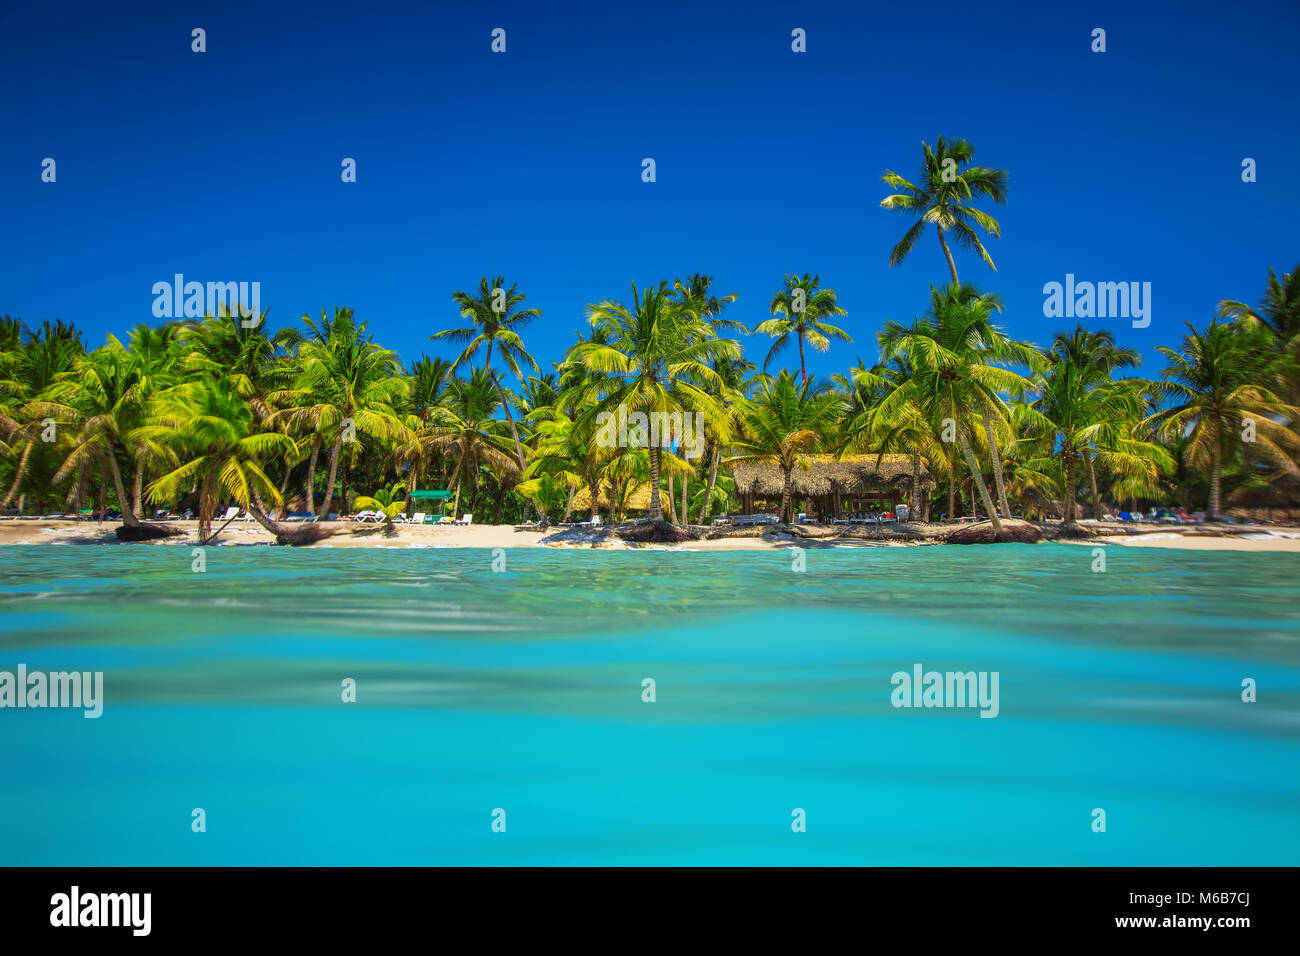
<point>346,379</point>
<point>782,423</point>
<point>28,372</point>
<point>882,417</point>
<point>943,198</point>
<point>388,501</point>
<point>1279,313</point>
<point>1097,355</point>
<point>1218,381</point>
<point>652,357</point>
<point>727,390</point>
<point>956,361</point>
<point>212,432</point>
<point>800,309</point>
<point>100,394</point>
<point>1081,413</point>
<point>495,319</point>
<point>464,428</point>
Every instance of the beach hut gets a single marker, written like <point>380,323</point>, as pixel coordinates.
<point>833,486</point>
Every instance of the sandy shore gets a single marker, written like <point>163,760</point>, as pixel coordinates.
<point>1230,538</point>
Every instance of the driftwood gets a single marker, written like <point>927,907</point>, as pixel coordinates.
<point>982,533</point>
<point>146,532</point>
<point>656,532</point>
<point>305,534</point>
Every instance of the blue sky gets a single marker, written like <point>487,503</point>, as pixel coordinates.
<point>226,165</point>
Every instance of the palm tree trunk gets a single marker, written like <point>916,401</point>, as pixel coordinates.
<point>952,490</point>
<point>979,483</point>
<point>915,514</point>
<point>311,476</point>
<point>455,475</point>
<point>1216,478</point>
<point>672,503</point>
<point>328,499</point>
<point>73,500</point>
<point>686,518</point>
<point>1092,481</point>
<point>802,370</point>
<point>284,488</point>
<point>137,497</point>
<point>952,266</point>
<point>656,512</point>
<point>996,458</point>
<point>18,476</point>
<point>713,480</point>
<point>785,494</point>
<point>568,506</point>
<point>260,514</point>
<point>129,517</point>
<point>1069,492</point>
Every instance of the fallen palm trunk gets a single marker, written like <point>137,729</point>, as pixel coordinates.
<point>145,532</point>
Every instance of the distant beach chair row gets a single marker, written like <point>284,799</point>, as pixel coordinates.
<point>1162,516</point>
<point>886,517</point>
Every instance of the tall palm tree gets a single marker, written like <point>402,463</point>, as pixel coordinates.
<point>652,357</point>
<point>781,424</point>
<point>1218,380</point>
<point>800,309</point>
<point>943,197</point>
<point>495,319</point>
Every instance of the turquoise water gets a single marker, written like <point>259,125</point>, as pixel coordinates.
<point>521,689</point>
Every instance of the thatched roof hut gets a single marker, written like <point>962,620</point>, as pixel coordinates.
<point>850,476</point>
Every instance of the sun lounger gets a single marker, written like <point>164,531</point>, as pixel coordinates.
<point>368,516</point>
<point>231,514</point>
<point>466,519</point>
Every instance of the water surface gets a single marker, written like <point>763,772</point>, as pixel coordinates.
<point>521,689</point>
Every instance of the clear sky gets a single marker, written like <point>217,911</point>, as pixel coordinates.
<point>225,165</point>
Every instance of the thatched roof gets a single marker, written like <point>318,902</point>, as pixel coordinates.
<point>852,474</point>
<point>637,500</point>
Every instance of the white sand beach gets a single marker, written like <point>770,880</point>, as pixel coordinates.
<point>350,535</point>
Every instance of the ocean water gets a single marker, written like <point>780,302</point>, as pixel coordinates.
<point>516,695</point>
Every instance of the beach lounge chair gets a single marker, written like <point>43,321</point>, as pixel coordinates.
<point>418,518</point>
<point>466,519</point>
<point>374,517</point>
<point>231,514</point>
